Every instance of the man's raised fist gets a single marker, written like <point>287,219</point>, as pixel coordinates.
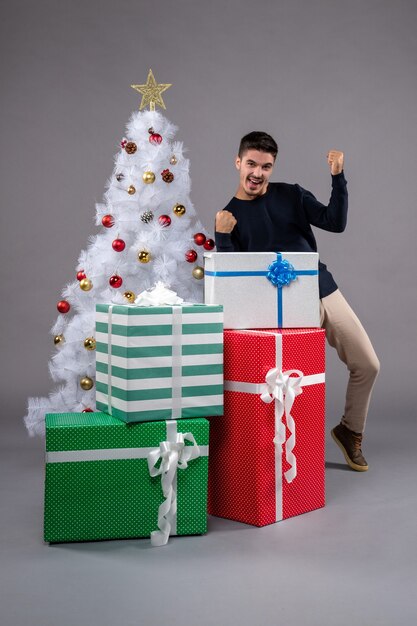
<point>225,222</point>
<point>335,160</point>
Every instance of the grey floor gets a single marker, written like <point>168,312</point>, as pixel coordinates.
<point>352,563</point>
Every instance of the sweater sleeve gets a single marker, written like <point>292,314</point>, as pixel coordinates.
<point>332,217</point>
<point>224,242</point>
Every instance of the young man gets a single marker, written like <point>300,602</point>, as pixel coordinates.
<point>266,216</point>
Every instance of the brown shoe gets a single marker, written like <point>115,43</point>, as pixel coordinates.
<point>350,444</point>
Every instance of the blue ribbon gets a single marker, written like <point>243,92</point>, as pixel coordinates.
<point>281,273</point>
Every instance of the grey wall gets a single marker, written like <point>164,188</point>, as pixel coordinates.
<point>315,74</point>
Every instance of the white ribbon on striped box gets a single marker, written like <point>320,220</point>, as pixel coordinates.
<point>282,388</point>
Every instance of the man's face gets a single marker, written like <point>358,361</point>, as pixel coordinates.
<point>255,169</point>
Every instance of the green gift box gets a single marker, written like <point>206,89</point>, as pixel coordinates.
<point>109,480</point>
<point>159,362</point>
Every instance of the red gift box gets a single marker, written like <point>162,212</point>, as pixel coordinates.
<point>267,454</point>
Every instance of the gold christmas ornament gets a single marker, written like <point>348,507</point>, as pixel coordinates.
<point>173,160</point>
<point>131,147</point>
<point>86,284</point>
<point>151,93</point>
<point>179,209</point>
<point>86,383</point>
<point>198,272</point>
<point>90,343</point>
<point>130,296</point>
<point>148,178</point>
<point>144,256</point>
<point>131,190</point>
<point>58,339</point>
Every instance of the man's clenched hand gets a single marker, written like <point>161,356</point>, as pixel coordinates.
<point>225,222</point>
<point>335,160</point>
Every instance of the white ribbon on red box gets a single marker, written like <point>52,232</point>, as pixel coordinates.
<point>282,388</point>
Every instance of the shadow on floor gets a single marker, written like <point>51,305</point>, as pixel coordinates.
<point>338,466</point>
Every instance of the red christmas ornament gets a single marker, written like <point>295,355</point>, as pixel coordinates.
<point>87,410</point>
<point>118,245</point>
<point>81,275</point>
<point>123,143</point>
<point>164,220</point>
<point>63,306</point>
<point>209,244</point>
<point>154,138</point>
<point>115,281</point>
<point>107,221</point>
<point>191,256</point>
<point>199,239</point>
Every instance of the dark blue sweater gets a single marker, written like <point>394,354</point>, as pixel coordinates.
<point>281,220</point>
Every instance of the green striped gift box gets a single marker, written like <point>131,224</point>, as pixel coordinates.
<point>160,362</point>
<point>98,484</point>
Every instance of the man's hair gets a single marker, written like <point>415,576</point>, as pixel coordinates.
<point>258,141</point>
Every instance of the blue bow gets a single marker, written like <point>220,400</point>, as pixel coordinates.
<point>281,272</point>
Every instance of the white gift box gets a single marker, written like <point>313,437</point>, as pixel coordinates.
<point>264,289</point>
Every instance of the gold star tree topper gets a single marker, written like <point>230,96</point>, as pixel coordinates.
<point>151,93</point>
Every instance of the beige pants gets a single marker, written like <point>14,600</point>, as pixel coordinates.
<point>345,333</point>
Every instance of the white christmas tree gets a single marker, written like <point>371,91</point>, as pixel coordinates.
<point>149,232</point>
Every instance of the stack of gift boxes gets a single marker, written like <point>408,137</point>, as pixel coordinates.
<point>267,453</point>
<point>140,467</point>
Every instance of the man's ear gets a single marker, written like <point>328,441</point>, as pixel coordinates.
<point>238,162</point>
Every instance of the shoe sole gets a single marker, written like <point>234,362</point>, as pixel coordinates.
<point>354,466</point>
